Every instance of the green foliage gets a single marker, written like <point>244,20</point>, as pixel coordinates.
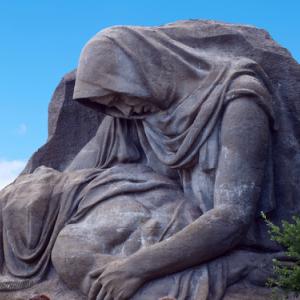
<point>286,270</point>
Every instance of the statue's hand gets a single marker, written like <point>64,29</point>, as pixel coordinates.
<point>115,281</point>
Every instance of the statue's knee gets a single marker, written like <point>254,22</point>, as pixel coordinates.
<point>64,262</point>
<point>58,255</point>
<point>71,260</point>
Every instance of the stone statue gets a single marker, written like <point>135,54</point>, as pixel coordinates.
<point>193,137</point>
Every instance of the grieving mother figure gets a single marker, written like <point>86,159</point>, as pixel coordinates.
<point>202,119</point>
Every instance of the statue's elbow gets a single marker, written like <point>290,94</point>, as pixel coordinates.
<point>239,221</point>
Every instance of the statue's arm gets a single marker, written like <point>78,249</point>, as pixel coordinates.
<point>244,149</point>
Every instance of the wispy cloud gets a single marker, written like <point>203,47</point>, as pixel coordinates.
<point>22,129</point>
<point>9,170</point>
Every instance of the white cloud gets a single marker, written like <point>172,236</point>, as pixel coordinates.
<point>22,129</point>
<point>9,170</point>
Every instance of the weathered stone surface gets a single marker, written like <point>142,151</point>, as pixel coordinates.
<point>70,126</point>
<point>52,288</point>
<point>114,247</point>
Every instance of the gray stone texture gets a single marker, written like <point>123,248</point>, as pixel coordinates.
<point>70,126</point>
<point>121,249</point>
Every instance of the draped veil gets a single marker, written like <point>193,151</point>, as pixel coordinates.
<point>158,65</point>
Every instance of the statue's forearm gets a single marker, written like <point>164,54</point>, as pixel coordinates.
<point>211,235</point>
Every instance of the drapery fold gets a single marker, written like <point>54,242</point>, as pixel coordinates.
<point>39,205</point>
<point>190,85</point>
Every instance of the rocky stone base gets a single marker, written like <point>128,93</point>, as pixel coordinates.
<point>54,289</point>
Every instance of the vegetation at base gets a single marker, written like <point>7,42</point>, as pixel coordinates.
<point>287,271</point>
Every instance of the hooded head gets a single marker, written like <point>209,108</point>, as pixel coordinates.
<point>134,71</point>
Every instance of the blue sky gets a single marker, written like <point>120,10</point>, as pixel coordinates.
<point>41,41</point>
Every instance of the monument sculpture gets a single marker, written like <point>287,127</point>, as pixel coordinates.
<point>164,148</point>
